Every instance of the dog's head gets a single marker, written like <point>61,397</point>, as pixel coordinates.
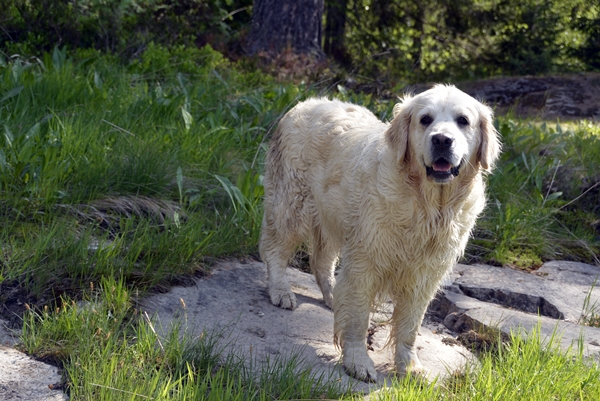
<point>442,131</point>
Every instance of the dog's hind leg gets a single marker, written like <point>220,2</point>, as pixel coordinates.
<point>287,209</point>
<point>322,263</point>
<point>275,251</point>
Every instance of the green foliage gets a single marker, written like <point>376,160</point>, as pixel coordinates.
<point>168,61</point>
<point>123,26</point>
<point>587,21</point>
<point>397,42</point>
<point>402,41</point>
<point>526,40</point>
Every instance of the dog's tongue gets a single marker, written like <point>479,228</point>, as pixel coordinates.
<point>441,165</point>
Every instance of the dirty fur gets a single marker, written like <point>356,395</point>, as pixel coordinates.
<point>354,187</point>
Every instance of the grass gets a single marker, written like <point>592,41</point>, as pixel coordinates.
<point>94,152</point>
<point>119,178</point>
<point>165,153</point>
<point>590,311</point>
<point>531,368</point>
<point>528,369</point>
<point>543,197</point>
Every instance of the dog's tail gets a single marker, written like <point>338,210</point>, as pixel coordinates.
<point>286,210</point>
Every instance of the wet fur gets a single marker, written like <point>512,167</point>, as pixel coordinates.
<point>350,185</point>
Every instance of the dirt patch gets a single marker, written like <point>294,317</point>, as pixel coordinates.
<point>13,300</point>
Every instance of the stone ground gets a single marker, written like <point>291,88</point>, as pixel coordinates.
<point>552,300</point>
<point>573,96</point>
<point>23,378</point>
<point>564,97</point>
<point>234,301</point>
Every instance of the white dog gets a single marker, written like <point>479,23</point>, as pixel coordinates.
<point>396,202</point>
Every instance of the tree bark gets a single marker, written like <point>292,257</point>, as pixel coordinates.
<point>335,29</point>
<point>281,24</point>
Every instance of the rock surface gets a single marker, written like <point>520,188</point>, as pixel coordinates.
<point>557,290</point>
<point>22,378</point>
<point>554,300</point>
<point>561,96</point>
<point>235,300</point>
<point>564,97</point>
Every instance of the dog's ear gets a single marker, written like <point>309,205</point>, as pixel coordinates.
<point>489,147</point>
<point>397,133</point>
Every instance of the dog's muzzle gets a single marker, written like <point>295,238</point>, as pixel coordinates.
<point>442,171</point>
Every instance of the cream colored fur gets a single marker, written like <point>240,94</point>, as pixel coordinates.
<point>352,186</point>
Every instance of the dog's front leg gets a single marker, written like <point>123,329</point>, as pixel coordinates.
<point>406,320</point>
<point>351,306</point>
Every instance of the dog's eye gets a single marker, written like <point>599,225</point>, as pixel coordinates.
<point>426,120</point>
<point>462,120</point>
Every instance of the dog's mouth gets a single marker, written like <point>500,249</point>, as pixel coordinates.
<point>442,171</point>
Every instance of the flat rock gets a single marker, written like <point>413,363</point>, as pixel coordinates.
<point>557,290</point>
<point>551,300</point>
<point>462,312</point>
<point>234,301</point>
<point>25,379</point>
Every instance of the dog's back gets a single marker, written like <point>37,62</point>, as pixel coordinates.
<point>305,159</point>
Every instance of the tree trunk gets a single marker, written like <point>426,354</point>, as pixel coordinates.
<point>281,24</point>
<point>335,29</point>
<point>417,47</point>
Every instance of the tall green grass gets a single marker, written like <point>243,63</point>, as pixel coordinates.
<point>161,154</point>
<point>543,196</point>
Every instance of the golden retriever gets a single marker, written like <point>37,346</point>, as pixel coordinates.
<point>396,202</point>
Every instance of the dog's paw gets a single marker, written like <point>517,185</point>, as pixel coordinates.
<point>407,363</point>
<point>327,290</point>
<point>328,298</point>
<point>414,370</point>
<point>361,372</point>
<point>285,299</point>
<point>357,363</point>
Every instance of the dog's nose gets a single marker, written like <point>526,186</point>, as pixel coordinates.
<point>441,142</point>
